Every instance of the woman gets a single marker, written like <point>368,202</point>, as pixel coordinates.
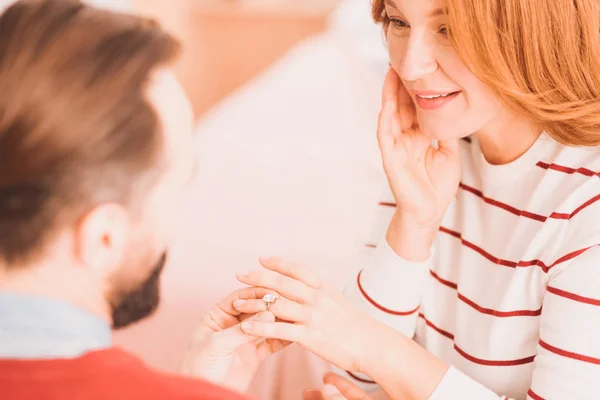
<point>487,282</point>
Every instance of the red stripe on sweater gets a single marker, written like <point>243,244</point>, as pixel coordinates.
<point>484,310</point>
<point>570,256</point>
<point>443,281</point>
<point>568,170</point>
<point>569,354</point>
<point>480,361</point>
<point>374,303</point>
<point>516,211</point>
<point>435,328</point>
<point>490,257</point>
<point>573,296</point>
<point>534,395</point>
<point>527,214</point>
<point>358,378</point>
<point>500,314</point>
<point>504,206</point>
<point>577,210</point>
<point>494,363</point>
<point>514,264</point>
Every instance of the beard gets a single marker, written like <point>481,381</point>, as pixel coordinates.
<point>138,303</point>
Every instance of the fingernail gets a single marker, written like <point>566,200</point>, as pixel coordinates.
<point>264,259</point>
<point>239,303</point>
<point>330,390</point>
<point>246,325</point>
<point>312,394</point>
<point>240,273</point>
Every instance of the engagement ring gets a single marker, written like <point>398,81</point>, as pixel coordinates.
<point>269,300</point>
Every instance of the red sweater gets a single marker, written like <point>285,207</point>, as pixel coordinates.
<point>108,374</point>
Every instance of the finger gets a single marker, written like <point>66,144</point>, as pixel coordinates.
<point>277,330</point>
<point>217,320</point>
<point>406,109</point>
<point>389,124</point>
<point>282,309</point>
<point>293,270</point>
<point>389,95</point>
<point>242,294</point>
<point>450,147</point>
<point>224,315</point>
<point>279,344</point>
<point>286,286</point>
<point>230,339</point>
<point>347,388</point>
<point>266,348</point>
<point>329,392</point>
<point>203,332</point>
<point>399,102</point>
<point>313,394</point>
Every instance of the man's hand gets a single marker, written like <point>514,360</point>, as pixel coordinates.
<point>221,352</point>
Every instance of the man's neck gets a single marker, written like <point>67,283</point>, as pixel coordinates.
<point>65,283</point>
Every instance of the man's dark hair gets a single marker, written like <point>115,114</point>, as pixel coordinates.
<point>76,128</point>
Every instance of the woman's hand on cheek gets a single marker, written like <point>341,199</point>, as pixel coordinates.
<point>311,314</point>
<point>423,178</point>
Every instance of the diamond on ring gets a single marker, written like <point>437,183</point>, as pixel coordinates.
<point>269,299</point>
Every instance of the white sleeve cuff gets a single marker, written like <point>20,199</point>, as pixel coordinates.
<point>393,281</point>
<point>457,386</point>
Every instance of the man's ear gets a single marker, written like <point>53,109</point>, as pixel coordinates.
<point>102,236</point>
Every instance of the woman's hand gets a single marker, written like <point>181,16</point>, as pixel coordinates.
<point>321,320</point>
<point>423,179</point>
<point>318,318</point>
<point>339,388</point>
<point>221,352</point>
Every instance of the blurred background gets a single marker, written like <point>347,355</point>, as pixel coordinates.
<point>286,95</point>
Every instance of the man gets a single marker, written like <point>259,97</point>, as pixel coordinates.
<point>95,139</point>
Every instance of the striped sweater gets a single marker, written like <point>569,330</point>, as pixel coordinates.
<point>511,295</point>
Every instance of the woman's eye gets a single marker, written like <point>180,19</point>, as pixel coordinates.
<point>443,30</point>
<point>398,23</point>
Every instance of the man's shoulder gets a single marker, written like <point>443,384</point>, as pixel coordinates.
<point>111,373</point>
<point>137,379</point>
<point>182,388</point>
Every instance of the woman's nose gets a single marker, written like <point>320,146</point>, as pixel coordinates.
<point>418,59</point>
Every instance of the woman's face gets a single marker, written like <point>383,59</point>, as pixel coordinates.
<point>450,101</point>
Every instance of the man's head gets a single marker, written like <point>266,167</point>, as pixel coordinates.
<point>95,153</point>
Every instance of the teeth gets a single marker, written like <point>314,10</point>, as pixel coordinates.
<point>435,96</point>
